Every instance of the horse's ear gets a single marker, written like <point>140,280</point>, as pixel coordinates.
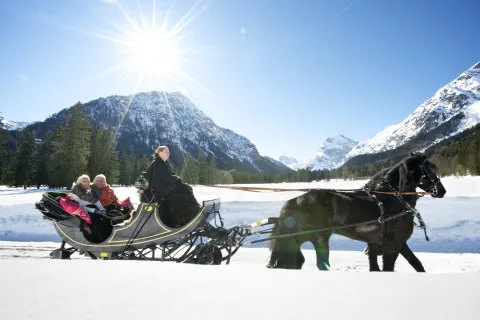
<point>412,153</point>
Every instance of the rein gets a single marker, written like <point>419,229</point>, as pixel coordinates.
<point>256,189</point>
<point>396,193</point>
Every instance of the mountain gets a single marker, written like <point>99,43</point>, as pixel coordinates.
<point>288,161</point>
<point>149,119</point>
<point>15,125</point>
<point>451,110</point>
<point>329,155</point>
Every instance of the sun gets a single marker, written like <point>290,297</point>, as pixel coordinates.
<point>153,48</point>
<point>152,52</point>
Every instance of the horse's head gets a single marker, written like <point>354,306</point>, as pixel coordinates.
<point>425,174</point>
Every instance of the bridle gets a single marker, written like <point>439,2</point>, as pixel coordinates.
<point>433,189</point>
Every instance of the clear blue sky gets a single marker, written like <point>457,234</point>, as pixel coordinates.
<point>285,74</point>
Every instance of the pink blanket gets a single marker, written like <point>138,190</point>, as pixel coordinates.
<point>126,203</point>
<point>75,209</point>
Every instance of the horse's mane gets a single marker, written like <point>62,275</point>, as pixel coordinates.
<point>397,175</point>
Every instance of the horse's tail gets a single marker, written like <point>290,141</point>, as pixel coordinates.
<point>285,252</point>
<point>275,232</point>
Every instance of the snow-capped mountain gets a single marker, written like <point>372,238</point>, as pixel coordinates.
<point>149,119</point>
<point>453,108</point>
<point>288,161</point>
<point>329,155</point>
<point>15,125</point>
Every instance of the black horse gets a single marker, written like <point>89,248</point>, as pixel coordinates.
<point>389,195</point>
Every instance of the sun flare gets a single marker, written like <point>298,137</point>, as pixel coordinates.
<point>153,53</point>
<point>153,48</point>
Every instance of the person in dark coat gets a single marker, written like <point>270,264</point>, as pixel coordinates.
<point>161,178</point>
<point>177,201</point>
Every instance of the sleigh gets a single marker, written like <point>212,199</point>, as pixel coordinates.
<point>144,235</point>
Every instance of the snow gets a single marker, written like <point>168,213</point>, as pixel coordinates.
<point>472,114</point>
<point>82,288</point>
<point>87,289</point>
<point>472,118</point>
<point>15,125</point>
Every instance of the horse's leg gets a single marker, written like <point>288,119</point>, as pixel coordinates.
<point>322,251</point>
<point>411,258</point>
<point>389,260</point>
<point>372,258</point>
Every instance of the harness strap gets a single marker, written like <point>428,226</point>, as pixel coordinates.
<point>286,235</point>
<point>406,204</point>
<point>381,219</point>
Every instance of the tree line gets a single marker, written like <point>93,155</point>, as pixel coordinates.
<point>77,147</point>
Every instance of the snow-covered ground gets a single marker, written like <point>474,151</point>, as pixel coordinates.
<point>36,287</point>
<point>93,289</point>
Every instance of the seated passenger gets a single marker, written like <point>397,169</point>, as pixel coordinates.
<point>108,199</point>
<point>89,198</point>
<point>85,196</point>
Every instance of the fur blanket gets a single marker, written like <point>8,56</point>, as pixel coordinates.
<point>179,207</point>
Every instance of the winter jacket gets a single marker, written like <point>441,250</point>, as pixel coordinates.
<point>107,195</point>
<point>91,195</point>
<point>161,178</point>
<point>86,197</point>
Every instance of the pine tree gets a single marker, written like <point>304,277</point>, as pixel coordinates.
<point>143,165</point>
<point>202,167</point>
<point>3,150</point>
<point>103,156</point>
<point>22,170</point>
<point>71,157</point>
<point>97,152</point>
<point>212,168</point>
<point>126,169</point>
<point>189,171</point>
<point>55,140</point>
<point>45,150</point>
<point>134,163</point>
<point>3,155</point>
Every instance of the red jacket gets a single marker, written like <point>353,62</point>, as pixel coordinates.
<point>107,196</point>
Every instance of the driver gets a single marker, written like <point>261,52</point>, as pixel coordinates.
<point>161,178</point>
